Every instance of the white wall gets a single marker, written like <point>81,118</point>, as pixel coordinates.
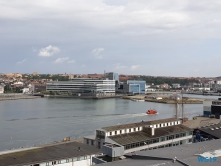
<point>65,164</point>
<point>1,89</point>
<point>82,163</point>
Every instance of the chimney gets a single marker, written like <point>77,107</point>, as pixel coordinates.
<point>152,131</point>
<point>149,130</point>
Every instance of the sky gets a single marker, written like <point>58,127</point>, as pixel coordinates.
<point>147,37</point>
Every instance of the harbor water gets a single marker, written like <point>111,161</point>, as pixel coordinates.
<point>25,123</point>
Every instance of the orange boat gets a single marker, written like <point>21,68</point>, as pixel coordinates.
<point>151,112</point>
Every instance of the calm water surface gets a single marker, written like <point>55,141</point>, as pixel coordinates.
<point>25,123</point>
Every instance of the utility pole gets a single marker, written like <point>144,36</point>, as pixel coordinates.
<point>182,106</point>
<point>176,108</point>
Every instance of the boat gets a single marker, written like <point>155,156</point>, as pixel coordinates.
<point>151,112</point>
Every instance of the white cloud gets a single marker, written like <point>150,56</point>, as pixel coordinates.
<point>61,60</point>
<point>64,60</point>
<point>96,52</point>
<point>20,62</point>
<point>48,51</point>
<point>135,67</point>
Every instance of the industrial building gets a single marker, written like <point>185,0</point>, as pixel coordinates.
<point>216,108</point>
<point>211,131</point>
<point>207,108</point>
<point>84,86</point>
<point>198,154</point>
<point>140,136</point>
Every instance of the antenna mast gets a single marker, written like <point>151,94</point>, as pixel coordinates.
<point>182,106</point>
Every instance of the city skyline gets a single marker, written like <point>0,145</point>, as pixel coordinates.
<point>133,37</point>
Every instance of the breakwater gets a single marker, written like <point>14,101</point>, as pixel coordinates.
<point>16,96</point>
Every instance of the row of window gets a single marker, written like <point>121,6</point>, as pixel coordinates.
<point>166,124</point>
<point>123,131</point>
<point>152,141</point>
<point>140,128</point>
<point>63,161</point>
<point>169,145</point>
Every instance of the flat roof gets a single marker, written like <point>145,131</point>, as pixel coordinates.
<point>214,130</point>
<point>140,136</point>
<point>139,124</point>
<point>201,121</point>
<point>188,154</point>
<point>47,153</point>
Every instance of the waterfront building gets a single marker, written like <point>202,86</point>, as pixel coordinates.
<point>112,76</point>
<point>38,88</point>
<point>136,86</point>
<point>58,154</point>
<point>85,86</point>
<point>140,136</point>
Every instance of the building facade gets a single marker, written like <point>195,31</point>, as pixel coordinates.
<point>83,86</point>
<point>176,86</point>
<point>1,89</point>
<point>216,108</point>
<point>136,86</point>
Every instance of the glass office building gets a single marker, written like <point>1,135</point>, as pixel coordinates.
<point>112,76</point>
<point>84,85</point>
<point>137,87</point>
